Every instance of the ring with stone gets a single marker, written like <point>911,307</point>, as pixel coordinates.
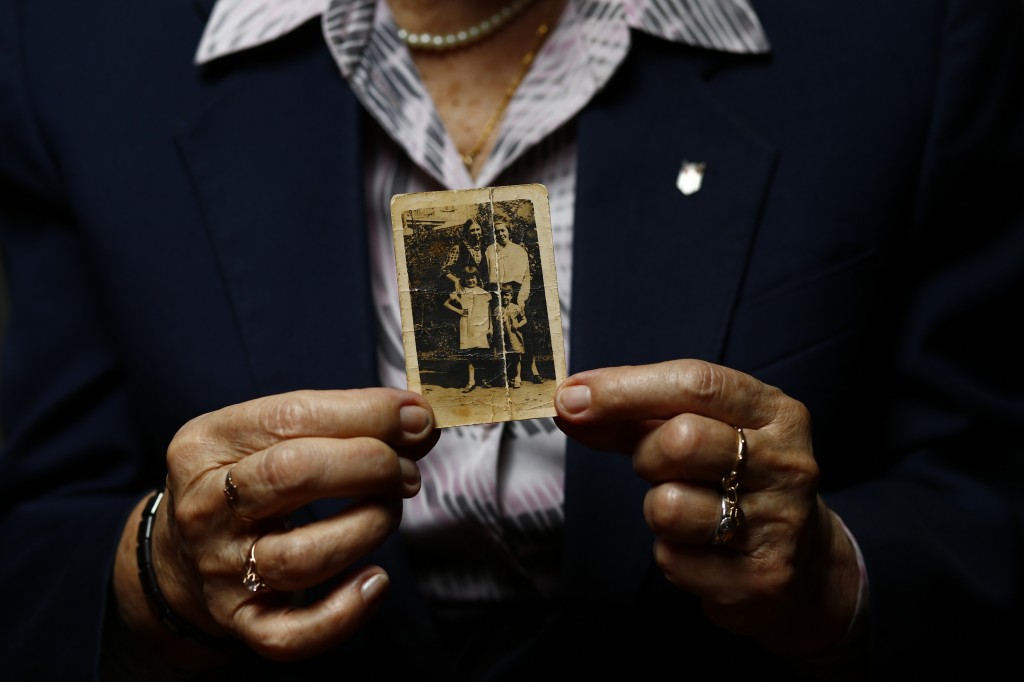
<point>231,493</point>
<point>729,522</point>
<point>732,518</point>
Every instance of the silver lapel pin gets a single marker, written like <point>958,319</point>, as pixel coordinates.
<point>691,175</point>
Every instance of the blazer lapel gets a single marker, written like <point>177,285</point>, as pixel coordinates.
<point>656,273</point>
<point>275,159</point>
<point>204,7</point>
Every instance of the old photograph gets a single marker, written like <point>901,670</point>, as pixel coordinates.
<point>479,301</point>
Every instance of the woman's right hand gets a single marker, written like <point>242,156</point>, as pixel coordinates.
<point>456,282</point>
<point>283,452</point>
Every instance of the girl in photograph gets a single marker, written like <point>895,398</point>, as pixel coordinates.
<point>472,303</point>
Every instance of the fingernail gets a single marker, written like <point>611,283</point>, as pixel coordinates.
<point>414,419</point>
<point>410,472</point>
<point>574,399</point>
<point>373,587</point>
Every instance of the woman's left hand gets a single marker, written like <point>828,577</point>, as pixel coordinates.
<point>789,576</point>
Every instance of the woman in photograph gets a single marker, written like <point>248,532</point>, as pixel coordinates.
<point>467,253</point>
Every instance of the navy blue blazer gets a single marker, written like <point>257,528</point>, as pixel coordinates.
<point>180,238</point>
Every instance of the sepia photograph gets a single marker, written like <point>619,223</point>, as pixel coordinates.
<point>479,299</point>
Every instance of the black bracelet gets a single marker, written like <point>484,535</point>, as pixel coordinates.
<point>147,576</point>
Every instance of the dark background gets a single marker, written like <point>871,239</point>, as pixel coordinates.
<point>3,325</point>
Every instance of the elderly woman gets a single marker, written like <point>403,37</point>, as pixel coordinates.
<point>468,253</point>
<point>764,212</point>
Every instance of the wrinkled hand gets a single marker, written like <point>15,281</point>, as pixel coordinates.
<point>789,577</point>
<point>284,452</point>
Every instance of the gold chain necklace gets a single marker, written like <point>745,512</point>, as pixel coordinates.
<point>469,157</point>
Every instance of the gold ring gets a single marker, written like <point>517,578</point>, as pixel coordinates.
<point>732,517</point>
<point>251,577</point>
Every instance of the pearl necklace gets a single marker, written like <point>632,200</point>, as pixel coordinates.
<point>457,39</point>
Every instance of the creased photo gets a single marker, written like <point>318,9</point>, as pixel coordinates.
<point>479,301</point>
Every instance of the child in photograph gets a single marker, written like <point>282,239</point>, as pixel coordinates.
<point>513,319</point>
<point>473,304</point>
